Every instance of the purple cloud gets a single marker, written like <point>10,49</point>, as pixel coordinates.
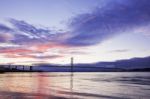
<point>4,28</point>
<point>25,27</point>
<point>103,23</point>
<point>85,29</point>
<point>25,33</point>
<point>4,35</point>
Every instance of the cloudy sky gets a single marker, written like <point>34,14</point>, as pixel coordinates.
<point>52,31</point>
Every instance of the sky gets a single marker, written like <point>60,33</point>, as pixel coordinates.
<point>53,31</point>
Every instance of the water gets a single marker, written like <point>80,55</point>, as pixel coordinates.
<point>104,85</point>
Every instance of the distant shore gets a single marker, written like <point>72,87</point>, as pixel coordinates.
<point>75,69</point>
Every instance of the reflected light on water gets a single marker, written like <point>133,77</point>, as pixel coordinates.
<point>77,85</point>
<point>35,85</point>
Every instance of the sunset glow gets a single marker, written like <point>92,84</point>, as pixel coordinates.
<point>52,31</point>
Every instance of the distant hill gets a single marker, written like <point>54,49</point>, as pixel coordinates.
<point>133,64</point>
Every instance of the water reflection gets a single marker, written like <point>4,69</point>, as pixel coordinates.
<point>75,86</point>
<point>71,84</point>
<point>32,85</point>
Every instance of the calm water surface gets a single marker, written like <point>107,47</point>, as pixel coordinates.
<point>104,85</point>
